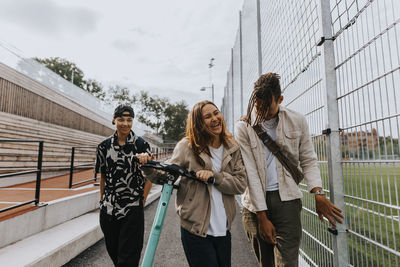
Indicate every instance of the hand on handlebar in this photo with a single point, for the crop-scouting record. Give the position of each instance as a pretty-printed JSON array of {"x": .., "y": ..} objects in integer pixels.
[
  {"x": 204, "y": 175},
  {"x": 143, "y": 157}
]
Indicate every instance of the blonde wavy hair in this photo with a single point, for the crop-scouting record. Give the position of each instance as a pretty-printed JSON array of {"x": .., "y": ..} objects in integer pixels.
[{"x": 198, "y": 134}]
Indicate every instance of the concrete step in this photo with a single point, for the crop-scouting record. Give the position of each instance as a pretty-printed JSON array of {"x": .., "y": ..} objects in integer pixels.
[
  {"x": 41, "y": 219},
  {"x": 55, "y": 246},
  {"x": 59, "y": 244}
]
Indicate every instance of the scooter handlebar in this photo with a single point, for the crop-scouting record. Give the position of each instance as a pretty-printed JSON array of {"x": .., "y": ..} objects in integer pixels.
[
  {"x": 193, "y": 176},
  {"x": 174, "y": 170},
  {"x": 135, "y": 159}
]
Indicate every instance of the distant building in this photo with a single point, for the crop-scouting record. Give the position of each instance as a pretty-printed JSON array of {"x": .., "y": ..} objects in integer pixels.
[{"x": 361, "y": 140}]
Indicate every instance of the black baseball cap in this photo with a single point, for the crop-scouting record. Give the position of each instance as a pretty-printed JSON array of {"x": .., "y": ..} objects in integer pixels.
[{"x": 118, "y": 112}]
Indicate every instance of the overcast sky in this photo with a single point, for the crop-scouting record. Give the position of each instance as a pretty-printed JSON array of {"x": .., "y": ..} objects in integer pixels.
[{"x": 160, "y": 46}]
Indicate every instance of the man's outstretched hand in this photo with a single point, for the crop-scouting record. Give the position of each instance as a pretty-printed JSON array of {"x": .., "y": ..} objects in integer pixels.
[{"x": 325, "y": 207}]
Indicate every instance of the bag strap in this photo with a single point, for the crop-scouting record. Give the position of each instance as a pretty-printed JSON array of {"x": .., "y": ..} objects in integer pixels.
[{"x": 288, "y": 164}]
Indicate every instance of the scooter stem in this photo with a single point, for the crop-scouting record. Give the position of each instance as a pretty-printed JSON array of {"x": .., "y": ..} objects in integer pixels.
[{"x": 157, "y": 225}]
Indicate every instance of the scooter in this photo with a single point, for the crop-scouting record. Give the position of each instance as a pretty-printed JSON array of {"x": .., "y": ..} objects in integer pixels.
[{"x": 173, "y": 172}]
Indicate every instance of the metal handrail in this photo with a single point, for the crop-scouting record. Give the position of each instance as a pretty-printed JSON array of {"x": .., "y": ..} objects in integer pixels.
[
  {"x": 38, "y": 172},
  {"x": 72, "y": 167}
]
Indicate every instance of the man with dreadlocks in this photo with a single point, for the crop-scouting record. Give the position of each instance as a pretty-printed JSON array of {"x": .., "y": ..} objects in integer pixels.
[{"x": 272, "y": 200}]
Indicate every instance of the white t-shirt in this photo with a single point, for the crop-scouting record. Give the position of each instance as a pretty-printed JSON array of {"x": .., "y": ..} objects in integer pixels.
[
  {"x": 272, "y": 175},
  {"x": 218, "y": 221}
]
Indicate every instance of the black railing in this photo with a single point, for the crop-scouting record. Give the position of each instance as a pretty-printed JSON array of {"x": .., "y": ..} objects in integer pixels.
[
  {"x": 163, "y": 152},
  {"x": 160, "y": 153},
  {"x": 84, "y": 165},
  {"x": 38, "y": 172}
]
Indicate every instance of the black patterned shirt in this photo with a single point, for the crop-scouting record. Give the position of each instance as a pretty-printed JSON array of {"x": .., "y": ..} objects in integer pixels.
[{"x": 124, "y": 181}]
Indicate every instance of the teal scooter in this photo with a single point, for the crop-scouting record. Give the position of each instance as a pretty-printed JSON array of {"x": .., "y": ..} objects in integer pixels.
[{"x": 172, "y": 173}]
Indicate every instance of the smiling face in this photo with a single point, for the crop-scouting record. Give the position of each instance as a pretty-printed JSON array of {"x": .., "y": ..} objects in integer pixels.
[
  {"x": 124, "y": 123},
  {"x": 212, "y": 119}
]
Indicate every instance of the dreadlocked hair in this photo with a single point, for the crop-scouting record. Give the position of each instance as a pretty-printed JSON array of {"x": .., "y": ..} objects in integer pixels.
[
  {"x": 266, "y": 88},
  {"x": 198, "y": 134}
]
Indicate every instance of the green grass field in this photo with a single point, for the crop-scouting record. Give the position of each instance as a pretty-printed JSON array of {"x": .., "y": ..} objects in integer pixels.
[{"x": 376, "y": 219}]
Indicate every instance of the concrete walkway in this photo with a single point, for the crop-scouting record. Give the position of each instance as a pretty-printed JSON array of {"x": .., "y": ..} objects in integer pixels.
[{"x": 169, "y": 251}]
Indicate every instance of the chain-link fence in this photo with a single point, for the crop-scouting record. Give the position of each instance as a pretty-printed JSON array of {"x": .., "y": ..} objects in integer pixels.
[{"x": 339, "y": 62}]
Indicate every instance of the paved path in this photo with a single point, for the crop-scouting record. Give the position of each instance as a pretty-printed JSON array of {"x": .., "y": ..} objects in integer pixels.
[{"x": 169, "y": 251}]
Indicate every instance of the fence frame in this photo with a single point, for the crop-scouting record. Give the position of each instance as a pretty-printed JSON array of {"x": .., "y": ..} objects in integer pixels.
[
  {"x": 72, "y": 166},
  {"x": 338, "y": 58},
  {"x": 38, "y": 172}
]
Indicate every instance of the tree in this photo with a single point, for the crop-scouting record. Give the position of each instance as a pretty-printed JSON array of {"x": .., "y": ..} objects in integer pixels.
[
  {"x": 95, "y": 88},
  {"x": 175, "y": 122},
  {"x": 118, "y": 94},
  {"x": 155, "y": 112},
  {"x": 69, "y": 71},
  {"x": 65, "y": 69},
  {"x": 152, "y": 110}
]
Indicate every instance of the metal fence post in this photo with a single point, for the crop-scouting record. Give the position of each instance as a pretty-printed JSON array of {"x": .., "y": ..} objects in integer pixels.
[
  {"x": 228, "y": 99},
  {"x": 336, "y": 179},
  {"x": 71, "y": 169},
  {"x": 233, "y": 96},
  {"x": 259, "y": 51},
  {"x": 241, "y": 63},
  {"x": 39, "y": 172}
]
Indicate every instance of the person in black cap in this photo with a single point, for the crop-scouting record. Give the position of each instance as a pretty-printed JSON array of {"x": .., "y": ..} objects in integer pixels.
[{"x": 123, "y": 189}]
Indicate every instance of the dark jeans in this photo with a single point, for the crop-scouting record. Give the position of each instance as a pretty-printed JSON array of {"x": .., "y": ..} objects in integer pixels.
[
  {"x": 124, "y": 237},
  {"x": 207, "y": 251},
  {"x": 285, "y": 216}
]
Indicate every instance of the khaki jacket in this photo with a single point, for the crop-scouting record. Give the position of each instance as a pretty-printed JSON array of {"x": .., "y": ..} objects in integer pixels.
[
  {"x": 193, "y": 198},
  {"x": 293, "y": 138}
]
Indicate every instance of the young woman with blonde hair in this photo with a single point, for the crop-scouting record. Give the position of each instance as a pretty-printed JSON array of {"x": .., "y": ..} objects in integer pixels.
[{"x": 207, "y": 210}]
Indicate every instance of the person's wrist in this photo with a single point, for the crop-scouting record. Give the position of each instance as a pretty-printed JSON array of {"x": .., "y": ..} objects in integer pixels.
[
  {"x": 319, "y": 198},
  {"x": 261, "y": 216},
  {"x": 315, "y": 189},
  {"x": 319, "y": 192}
]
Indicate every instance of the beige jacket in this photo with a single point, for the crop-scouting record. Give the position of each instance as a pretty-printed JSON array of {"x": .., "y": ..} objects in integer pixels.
[
  {"x": 293, "y": 137},
  {"x": 193, "y": 197}
]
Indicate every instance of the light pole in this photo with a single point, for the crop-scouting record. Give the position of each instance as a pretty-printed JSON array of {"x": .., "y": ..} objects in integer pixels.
[
  {"x": 212, "y": 90},
  {"x": 210, "y": 65}
]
